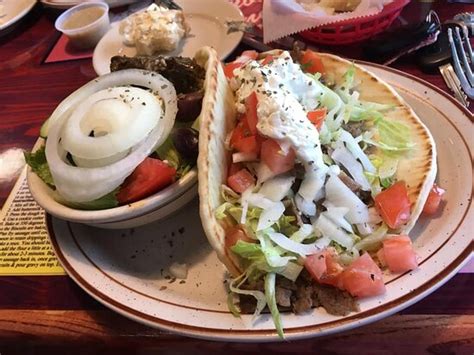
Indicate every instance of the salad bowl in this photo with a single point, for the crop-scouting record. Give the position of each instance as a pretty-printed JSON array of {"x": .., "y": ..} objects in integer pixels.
[{"x": 155, "y": 207}]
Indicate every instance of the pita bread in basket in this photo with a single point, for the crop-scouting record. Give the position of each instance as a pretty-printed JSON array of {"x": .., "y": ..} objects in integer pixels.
[{"x": 417, "y": 169}]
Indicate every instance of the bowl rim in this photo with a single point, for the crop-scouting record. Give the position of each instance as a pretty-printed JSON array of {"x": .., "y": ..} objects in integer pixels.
[
  {"x": 43, "y": 195},
  {"x": 58, "y": 24}
]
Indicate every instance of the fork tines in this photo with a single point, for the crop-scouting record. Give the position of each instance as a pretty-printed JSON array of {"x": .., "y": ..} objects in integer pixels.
[{"x": 463, "y": 62}]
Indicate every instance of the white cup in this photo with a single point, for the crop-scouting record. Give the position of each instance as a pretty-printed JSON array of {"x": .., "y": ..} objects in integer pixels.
[{"x": 83, "y": 30}]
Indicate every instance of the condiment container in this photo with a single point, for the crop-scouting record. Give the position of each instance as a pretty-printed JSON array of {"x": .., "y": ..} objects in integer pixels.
[{"x": 85, "y": 24}]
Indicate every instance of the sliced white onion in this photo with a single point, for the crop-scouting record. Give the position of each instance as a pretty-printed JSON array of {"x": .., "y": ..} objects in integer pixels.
[
  {"x": 308, "y": 208},
  {"x": 364, "y": 228},
  {"x": 272, "y": 255},
  {"x": 96, "y": 163},
  {"x": 123, "y": 115},
  {"x": 290, "y": 245},
  {"x": 330, "y": 230},
  {"x": 304, "y": 232},
  {"x": 336, "y": 214},
  {"x": 322, "y": 242},
  {"x": 79, "y": 184},
  {"x": 245, "y": 204},
  {"x": 270, "y": 215},
  {"x": 312, "y": 183},
  {"x": 344, "y": 157},
  {"x": 278, "y": 187},
  {"x": 340, "y": 195},
  {"x": 242, "y": 157},
  {"x": 258, "y": 200},
  {"x": 264, "y": 172},
  {"x": 357, "y": 151}
]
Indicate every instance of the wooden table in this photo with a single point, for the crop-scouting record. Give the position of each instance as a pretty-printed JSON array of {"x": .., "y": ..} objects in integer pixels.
[{"x": 51, "y": 313}]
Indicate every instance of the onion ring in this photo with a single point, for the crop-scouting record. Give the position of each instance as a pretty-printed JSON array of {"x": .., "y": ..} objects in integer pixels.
[{"x": 81, "y": 184}]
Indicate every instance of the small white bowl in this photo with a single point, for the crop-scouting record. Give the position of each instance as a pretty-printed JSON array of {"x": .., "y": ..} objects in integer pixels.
[
  {"x": 155, "y": 207},
  {"x": 88, "y": 28}
]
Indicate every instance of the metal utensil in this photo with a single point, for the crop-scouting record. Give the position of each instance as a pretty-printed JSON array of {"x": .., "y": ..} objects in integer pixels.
[
  {"x": 468, "y": 19},
  {"x": 463, "y": 63},
  {"x": 453, "y": 83}
]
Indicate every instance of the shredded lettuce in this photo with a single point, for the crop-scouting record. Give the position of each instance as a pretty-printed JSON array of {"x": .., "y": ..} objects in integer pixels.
[
  {"x": 168, "y": 152},
  {"x": 291, "y": 271},
  {"x": 373, "y": 241},
  {"x": 305, "y": 232},
  {"x": 221, "y": 211},
  {"x": 267, "y": 257},
  {"x": 102, "y": 203},
  {"x": 286, "y": 225},
  {"x": 229, "y": 195},
  {"x": 273, "y": 254},
  {"x": 394, "y": 138},
  {"x": 231, "y": 305},
  {"x": 251, "y": 251},
  {"x": 39, "y": 165},
  {"x": 270, "y": 280},
  {"x": 235, "y": 285}
]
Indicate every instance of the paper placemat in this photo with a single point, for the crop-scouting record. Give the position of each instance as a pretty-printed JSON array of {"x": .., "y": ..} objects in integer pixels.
[
  {"x": 64, "y": 51},
  {"x": 25, "y": 249}
]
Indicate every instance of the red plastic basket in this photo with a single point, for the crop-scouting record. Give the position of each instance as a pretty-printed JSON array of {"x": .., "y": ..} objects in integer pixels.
[{"x": 355, "y": 30}]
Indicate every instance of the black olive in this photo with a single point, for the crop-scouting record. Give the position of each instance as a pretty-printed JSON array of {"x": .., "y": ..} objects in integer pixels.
[
  {"x": 189, "y": 106},
  {"x": 186, "y": 142}
]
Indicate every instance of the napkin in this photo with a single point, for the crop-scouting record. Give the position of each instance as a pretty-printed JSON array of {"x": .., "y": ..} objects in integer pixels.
[{"x": 285, "y": 17}]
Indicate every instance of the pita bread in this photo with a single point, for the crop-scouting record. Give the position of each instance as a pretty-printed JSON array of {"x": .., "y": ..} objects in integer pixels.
[{"x": 418, "y": 169}]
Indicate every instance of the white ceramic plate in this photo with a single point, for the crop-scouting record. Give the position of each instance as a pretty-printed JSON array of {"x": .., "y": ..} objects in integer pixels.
[
  {"x": 66, "y": 4},
  {"x": 207, "y": 21},
  {"x": 126, "y": 270},
  {"x": 14, "y": 10}
]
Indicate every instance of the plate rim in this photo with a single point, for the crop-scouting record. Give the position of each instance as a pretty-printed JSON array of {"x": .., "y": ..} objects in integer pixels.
[
  {"x": 294, "y": 333},
  {"x": 114, "y": 25},
  {"x": 19, "y": 15},
  {"x": 263, "y": 335}
]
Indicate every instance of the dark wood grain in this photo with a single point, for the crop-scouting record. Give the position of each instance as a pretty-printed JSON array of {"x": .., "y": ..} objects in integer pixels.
[
  {"x": 81, "y": 332},
  {"x": 50, "y": 314}
]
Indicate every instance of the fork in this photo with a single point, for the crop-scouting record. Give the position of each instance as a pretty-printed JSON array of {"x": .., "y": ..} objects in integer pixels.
[{"x": 463, "y": 70}]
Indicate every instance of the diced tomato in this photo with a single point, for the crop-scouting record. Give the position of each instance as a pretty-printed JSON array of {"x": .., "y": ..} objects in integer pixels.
[
  {"x": 240, "y": 131},
  {"x": 233, "y": 168},
  {"x": 433, "y": 200},
  {"x": 272, "y": 155},
  {"x": 247, "y": 55},
  {"x": 240, "y": 181},
  {"x": 312, "y": 62},
  {"x": 324, "y": 268},
  {"x": 249, "y": 144},
  {"x": 317, "y": 117},
  {"x": 243, "y": 141},
  {"x": 240, "y": 61},
  {"x": 398, "y": 254},
  {"x": 363, "y": 278},
  {"x": 230, "y": 67},
  {"x": 381, "y": 257},
  {"x": 251, "y": 103},
  {"x": 234, "y": 234},
  {"x": 268, "y": 59},
  {"x": 150, "y": 176},
  {"x": 393, "y": 205}
]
